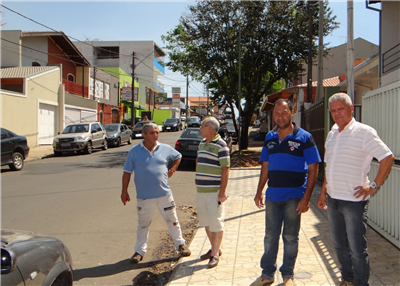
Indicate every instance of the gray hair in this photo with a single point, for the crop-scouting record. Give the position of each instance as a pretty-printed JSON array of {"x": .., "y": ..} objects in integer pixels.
[
  {"x": 213, "y": 122},
  {"x": 340, "y": 96},
  {"x": 149, "y": 125}
]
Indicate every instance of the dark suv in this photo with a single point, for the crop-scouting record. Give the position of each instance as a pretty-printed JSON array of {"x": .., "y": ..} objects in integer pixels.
[
  {"x": 172, "y": 124},
  {"x": 194, "y": 122}
]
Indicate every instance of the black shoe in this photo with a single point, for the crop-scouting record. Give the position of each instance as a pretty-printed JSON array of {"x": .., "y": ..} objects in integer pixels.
[
  {"x": 208, "y": 255},
  {"x": 136, "y": 258},
  {"x": 213, "y": 262}
]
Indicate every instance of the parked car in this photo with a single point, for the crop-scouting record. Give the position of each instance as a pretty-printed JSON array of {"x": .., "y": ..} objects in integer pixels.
[
  {"x": 137, "y": 129},
  {"x": 183, "y": 118},
  {"x": 117, "y": 134},
  {"x": 188, "y": 144},
  {"x": 81, "y": 137},
  {"x": 129, "y": 121},
  {"x": 228, "y": 123},
  {"x": 226, "y": 136},
  {"x": 194, "y": 121},
  {"x": 172, "y": 124},
  {"x": 14, "y": 149},
  {"x": 29, "y": 258}
]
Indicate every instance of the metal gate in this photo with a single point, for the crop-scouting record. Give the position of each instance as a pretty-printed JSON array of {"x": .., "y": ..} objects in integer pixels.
[{"x": 313, "y": 121}]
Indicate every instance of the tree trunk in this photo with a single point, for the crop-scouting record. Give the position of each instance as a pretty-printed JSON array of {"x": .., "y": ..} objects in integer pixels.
[{"x": 244, "y": 136}]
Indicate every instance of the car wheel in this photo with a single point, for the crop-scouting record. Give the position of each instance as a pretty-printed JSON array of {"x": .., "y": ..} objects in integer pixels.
[
  {"x": 105, "y": 144},
  {"x": 119, "y": 142},
  {"x": 89, "y": 148},
  {"x": 57, "y": 153},
  {"x": 18, "y": 162},
  {"x": 129, "y": 140}
]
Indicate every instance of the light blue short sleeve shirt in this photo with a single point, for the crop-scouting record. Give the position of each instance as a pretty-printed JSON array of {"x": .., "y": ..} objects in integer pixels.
[{"x": 151, "y": 169}]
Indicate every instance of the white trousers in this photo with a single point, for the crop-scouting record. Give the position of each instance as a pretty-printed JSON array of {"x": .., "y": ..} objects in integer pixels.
[{"x": 167, "y": 209}]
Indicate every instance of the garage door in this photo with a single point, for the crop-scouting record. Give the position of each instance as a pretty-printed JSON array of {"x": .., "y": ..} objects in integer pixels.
[{"x": 46, "y": 123}]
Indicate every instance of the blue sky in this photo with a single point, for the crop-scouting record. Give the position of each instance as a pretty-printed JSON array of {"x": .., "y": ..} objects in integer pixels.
[{"x": 148, "y": 20}]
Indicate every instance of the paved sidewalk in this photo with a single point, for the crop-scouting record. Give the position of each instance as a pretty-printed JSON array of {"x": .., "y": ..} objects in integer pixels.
[
  {"x": 40, "y": 152},
  {"x": 242, "y": 246}
]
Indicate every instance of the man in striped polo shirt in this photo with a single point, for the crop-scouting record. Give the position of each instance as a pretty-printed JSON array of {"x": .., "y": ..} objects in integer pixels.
[
  {"x": 212, "y": 173},
  {"x": 350, "y": 147},
  {"x": 290, "y": 164}
]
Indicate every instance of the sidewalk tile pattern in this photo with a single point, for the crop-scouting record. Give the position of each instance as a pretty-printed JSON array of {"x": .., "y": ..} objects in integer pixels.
[{"x": 242, "y": 246}]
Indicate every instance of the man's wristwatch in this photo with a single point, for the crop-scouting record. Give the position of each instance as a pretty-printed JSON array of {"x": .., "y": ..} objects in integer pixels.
[{"x": 375, "y": 186}]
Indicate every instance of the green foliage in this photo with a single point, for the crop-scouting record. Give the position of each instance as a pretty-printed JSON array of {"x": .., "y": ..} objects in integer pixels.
[{"x": 270, "y": 37}]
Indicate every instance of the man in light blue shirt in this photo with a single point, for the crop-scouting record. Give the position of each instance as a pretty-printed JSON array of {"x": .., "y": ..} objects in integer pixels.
[{"x": 149, "y": 160}]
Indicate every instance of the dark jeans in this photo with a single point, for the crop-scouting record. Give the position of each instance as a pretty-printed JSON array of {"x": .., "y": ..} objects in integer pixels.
[
  {"x": 348, "y": 222},
  {"x": 277, "y": 213}
]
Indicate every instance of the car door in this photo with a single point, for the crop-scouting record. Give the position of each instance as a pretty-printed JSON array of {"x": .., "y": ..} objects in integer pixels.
[
  {"x": 95, "y": 135},
  {"x": 124, "y": 133},
  {"x": 7, "y": 146}
]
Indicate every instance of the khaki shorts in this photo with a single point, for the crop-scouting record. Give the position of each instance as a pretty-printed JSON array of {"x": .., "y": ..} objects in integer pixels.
[{"x": 210, "y": 213}]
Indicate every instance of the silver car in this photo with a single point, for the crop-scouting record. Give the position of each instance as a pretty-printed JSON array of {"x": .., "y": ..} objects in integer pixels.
[
  {"x": 80, "y": 137},
  {"x": 117, "y": 134},
  {"x": 29, "y": 258}
]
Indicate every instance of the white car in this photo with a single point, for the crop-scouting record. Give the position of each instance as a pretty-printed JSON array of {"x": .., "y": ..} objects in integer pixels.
[{"x": 81, "y": 137}]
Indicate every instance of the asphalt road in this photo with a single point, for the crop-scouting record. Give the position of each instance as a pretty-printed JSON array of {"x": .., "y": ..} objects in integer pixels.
[{"x": 76, "y": 198}]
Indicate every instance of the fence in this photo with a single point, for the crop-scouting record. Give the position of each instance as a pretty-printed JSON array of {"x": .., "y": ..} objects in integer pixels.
[{"x": 381, "y": 110}]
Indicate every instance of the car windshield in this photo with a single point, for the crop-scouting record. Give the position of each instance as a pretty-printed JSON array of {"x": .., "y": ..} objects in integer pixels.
[
  {"x": 139, "y": 125},
  {"x": 193, "y": 119},
  {"x": 112, "y": 128},
  {"x": 171, "y": 120},
  {"x": 76, "y": 128},
  {"x": 192, "y": 133}
]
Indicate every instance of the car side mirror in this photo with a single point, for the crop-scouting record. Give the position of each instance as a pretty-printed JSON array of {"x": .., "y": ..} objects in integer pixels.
[
  {"x": 8, "y": 261},
  {"x": 93, "y": 131}
]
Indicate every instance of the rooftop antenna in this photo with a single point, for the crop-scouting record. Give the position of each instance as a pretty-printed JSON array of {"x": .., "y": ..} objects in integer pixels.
[{"x": 1, "y": 24}]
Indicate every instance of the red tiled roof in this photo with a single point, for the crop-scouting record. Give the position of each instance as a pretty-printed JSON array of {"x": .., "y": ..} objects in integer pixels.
[{"x": 333, "y": 81}]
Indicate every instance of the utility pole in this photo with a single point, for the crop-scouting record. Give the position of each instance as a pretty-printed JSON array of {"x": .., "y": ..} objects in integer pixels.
[
  {"x": 240, "y": 90},
  {"x": 320, "y": 88},
  {"x": 133, "y": 92},
  {"x": 310, "y": 46},
  {"x": 187, "y": 99},
  {"x": 350, "y": 51}
]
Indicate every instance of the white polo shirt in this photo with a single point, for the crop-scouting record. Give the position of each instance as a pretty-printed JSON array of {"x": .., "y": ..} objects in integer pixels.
[{"x": 348, "y": 155}]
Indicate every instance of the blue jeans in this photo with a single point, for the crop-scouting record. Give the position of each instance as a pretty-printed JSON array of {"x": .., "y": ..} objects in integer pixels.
[
  {"x": 348, "y": 222},
  {"x": 277, "y": 213}
]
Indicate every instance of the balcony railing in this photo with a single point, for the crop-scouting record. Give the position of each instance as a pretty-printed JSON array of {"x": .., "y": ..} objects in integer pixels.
[
  {"x": 75, "y": 88},
  {"x": 391, "y": 59}
]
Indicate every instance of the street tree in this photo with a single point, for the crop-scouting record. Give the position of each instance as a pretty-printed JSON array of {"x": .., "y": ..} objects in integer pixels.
[{"x": 269, "y": 37}]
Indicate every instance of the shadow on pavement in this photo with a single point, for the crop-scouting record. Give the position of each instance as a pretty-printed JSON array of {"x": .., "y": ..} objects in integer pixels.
[
  {"x": 118, "y": 267},
  {"x": 106, "y": 160}
]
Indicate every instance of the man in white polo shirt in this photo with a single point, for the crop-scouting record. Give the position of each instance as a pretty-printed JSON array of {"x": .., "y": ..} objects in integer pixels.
[{"x": 349, "y": 149}]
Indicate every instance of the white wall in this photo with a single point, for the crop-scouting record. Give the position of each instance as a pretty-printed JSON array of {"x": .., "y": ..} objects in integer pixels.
[
  {"x": 29, "y": 55},
  {"x": 10, "y": 53}
]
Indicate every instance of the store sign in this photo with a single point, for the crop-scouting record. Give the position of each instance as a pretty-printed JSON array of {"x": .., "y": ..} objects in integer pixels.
[
  {"x": 176, "y": 92},
  {"x": 126, "y": 93},
  {"x": 161, "y": 98}
]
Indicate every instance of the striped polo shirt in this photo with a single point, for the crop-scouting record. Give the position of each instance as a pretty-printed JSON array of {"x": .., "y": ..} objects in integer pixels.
[
  {"x": 211, "y": 158},
  {"x": 348, "y": 155},
  {"x": 288, "y": 162}
]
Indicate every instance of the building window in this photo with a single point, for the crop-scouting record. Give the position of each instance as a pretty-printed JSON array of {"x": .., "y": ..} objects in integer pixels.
[
  {"x": 108, "y": 53},
  {"x": 36, "y": 64},
  {"x": 71, "y": 77}
]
